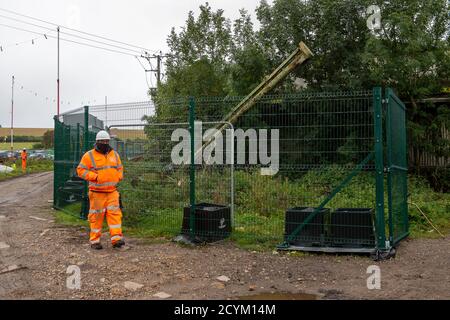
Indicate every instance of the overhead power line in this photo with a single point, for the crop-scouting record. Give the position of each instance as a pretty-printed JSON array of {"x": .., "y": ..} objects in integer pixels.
[
  {"x": 71, "y": 34},
  {"x": 89, "y": 40},
  {"x": 149, "y": 85},
  {"x": 67, "y": 40},
  {"x": 18, "y": 20},
  {"x": 100, "y": 42},
  {"x": 79, "y": 31}
]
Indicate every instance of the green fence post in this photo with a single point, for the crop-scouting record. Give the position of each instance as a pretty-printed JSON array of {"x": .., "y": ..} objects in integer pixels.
[
  {"x": 56, "y": 158},
  {"x": 85, "y": 203},
  {"x": 78, "y": 149},
  {"x": 379, "y": 168},
  {"x": 389, "y": 119},
  {"x": 192, "y": 167}
]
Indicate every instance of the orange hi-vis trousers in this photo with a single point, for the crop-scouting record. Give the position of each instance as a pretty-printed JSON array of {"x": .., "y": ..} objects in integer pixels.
[
  {"x": 24, "y": 156},
  {"x": 102, "y": 203}
]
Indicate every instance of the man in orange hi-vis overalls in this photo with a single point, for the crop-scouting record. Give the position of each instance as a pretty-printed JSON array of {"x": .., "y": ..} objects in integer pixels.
[
  {"x": 103, "y": 169},
  {"x": 24, "y": 156}
]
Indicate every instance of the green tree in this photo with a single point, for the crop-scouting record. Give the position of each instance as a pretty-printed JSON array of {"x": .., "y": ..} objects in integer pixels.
[
  {"x": 207, "y": 36},
  {"x": 248, "y": 62},
  {"x": 411, "y": 53},
  {"x": 48, "y": 139},
  {"x": 211, "y": 56},
  {"x": 203, "y": 45},
  {"x": 197, "y": 64},
  {"x": 335, "y": 31}
]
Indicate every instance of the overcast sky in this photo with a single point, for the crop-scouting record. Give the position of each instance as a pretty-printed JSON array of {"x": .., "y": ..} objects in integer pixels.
[{"x": 87, "y": 74}]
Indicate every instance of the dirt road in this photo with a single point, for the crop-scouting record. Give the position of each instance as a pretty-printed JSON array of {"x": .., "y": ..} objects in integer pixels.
[{"x": 37, "y": 253}]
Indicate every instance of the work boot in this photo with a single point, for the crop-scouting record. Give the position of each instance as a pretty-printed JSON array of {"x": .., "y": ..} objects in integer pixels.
[
  {"x": 119, "y": 244},
  {"x": 97, "y": 246}
]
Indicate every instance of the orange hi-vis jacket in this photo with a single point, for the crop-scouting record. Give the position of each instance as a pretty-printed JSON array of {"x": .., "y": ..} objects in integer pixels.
[
  {"x": 23, "y": 155},
  {"x": 103, "y": 171}
]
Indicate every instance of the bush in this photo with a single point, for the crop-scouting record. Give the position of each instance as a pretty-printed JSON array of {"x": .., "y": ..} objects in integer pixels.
[
  {"x": 38, "y": 146},
  {"x": 23, "y": 139}
]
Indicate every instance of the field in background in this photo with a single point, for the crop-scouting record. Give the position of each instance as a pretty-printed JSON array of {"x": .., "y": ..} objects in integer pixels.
[
  {"x": 6, "y": 146},
  {"x": 33, "y": 132},
  {"x": 127, "y": 133}
]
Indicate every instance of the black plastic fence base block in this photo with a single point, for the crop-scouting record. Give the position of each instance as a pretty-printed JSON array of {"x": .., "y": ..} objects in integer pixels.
[
  {"x": 212, "y": 222},
  {"x": 382, "y": 255}
]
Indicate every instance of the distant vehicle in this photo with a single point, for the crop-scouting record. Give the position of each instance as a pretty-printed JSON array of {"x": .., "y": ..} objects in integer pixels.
[
  {"x": 8, "y": 156},
  {"x": 37, "y": 155},
  {"x": 40, "y": 155},
  {"x": 3, "y": 155},
  {"x": 13, "y": 155}
]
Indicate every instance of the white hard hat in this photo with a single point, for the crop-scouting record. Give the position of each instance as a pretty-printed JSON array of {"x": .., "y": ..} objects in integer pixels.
[{"x": 103, "y": 135}]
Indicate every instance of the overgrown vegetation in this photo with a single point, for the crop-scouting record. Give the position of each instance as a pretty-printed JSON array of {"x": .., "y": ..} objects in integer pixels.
[{"x": 157, "y": 210}]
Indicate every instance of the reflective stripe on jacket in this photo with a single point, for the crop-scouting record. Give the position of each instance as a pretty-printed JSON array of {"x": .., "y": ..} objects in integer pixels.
[{"x": 102, "y": 171}]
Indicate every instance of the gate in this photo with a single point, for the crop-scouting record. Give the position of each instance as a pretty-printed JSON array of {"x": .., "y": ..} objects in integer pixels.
[{"x": 397, "y": 167}]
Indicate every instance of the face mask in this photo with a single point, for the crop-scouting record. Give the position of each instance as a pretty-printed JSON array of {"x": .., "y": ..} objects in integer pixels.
[{"x": 102, "y": 148}]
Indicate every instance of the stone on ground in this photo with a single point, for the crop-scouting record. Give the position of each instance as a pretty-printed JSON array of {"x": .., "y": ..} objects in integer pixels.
[
  {"x": 162, "y": 295},
  {"x": 4, "y": 245},
  {"x": 223, "y": 279},
  {"x": 132, "y": 286}
]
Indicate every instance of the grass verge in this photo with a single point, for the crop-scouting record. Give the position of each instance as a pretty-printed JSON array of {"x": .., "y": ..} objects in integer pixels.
[
  {"x": 33, "y": 166},
  {"x": 259, "y": 218}
]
